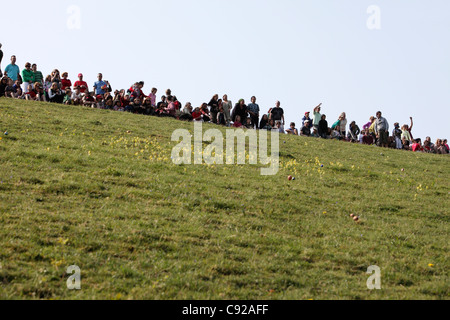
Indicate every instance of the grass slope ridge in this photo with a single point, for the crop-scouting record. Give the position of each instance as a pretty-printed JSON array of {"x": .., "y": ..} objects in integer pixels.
[{"x": 97, "y": 189}]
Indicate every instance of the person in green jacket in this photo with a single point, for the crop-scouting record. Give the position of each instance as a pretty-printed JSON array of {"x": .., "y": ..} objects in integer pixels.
[{"x": 27, "y": 77}]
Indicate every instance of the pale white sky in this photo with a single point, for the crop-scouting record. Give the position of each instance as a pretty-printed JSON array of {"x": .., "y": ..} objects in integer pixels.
[{"x": 301, "y": 52}]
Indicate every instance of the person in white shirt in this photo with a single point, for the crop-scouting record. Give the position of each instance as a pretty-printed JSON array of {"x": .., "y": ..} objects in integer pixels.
[{"x": 77, "y": 96}]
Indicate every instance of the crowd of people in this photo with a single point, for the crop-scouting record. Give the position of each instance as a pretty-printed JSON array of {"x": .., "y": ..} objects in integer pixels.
[{"x": 58, "y": 88}]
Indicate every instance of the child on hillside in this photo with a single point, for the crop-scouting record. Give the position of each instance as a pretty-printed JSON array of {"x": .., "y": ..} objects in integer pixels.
[
  {"x": 237, "y": 123},
  {"x": 30, "y": 94},
  {"x": 68, "y": 97}
]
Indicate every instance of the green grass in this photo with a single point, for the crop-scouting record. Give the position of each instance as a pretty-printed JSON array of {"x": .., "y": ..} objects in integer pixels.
[{"x": 98, "y": 189}]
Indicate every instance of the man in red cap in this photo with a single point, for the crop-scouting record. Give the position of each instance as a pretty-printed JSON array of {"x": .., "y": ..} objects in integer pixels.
[
  {"x": 81, "y": 84},
  {"x": 306, "y": 118}
]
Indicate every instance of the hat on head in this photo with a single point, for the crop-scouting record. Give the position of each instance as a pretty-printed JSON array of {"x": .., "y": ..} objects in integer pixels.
[
  {"x": 307, "y": 113},
  {"x": 80, "y": 75}
]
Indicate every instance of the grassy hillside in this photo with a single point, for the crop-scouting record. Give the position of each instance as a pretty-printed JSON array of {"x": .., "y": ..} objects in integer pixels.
[{"x": 97, "y": 189}]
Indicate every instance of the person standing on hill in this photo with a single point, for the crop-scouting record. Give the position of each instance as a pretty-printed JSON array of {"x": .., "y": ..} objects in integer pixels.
[
  {"x": 382, "y": 130},
  {"x": 81, "y": 84},
  {"x": 214, "y": 108},
  {"x": 397, "y": 134},
  {"x": 317, "y": 117},
  {"x": 277, "y": 113},
  {"x": 306, "y": 118},
  {"x": 12, "y": 70},
  {"x": 100, "y": 86},
  {"x": 227, "y": 108},
  {"x": 38, "y": 76},
  {"x": 253, "y": 109},
  {"x": 323, "y": 127},
  {"x": 343, "y": 124},
  {"x": 28, "y": 77},
  {"x": 65, "y": 83},
  {"x": 1, "y": 58}
]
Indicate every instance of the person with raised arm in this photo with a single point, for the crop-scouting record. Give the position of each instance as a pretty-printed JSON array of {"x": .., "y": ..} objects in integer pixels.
[{"x": 317, "y": 116}]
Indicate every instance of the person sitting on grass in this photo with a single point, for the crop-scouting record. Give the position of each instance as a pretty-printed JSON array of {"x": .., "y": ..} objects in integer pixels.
[
  {"x": 438, "y": 148},
  {"x": 30, "y": 94},
  {"x": 186, "y": 113},
  {"x": 118, "y": 106},
  {"x": 264, "y": 121},
  {"x": 55, "y": 94},
  {"x": 162, "y": 104},
  {"x": 428, "y": 147},
  {"x": 147, "y": 105},
  {"x": 205, "y": 112},
  {"x": 197, "y": 115},
  {"x": 431, "y": 144},
  {"x": 306, "y": 130},
  {"x": 336, "y": 133},
  {"x": 292, "y": 129},
  {"x": 237, "y": 122},
  {"x": 171, "y": 110},
  {"x": 446, "y": 145},
  {"x": 314, "y": 133},
  {"x": 279, "y": 127},
  {"x": 68, "y": 97},
  {"x": 109, "y": 101},
  {"x": 100, "y": 102},
  {"x": 353, "y": 132},
  {"x": 270, "y": 125},
  {"x": 248, "y": 123},
  {"x": 137, "y": 106},
  {"x": 417, "y": 146},
  {"x": 3, "y": 85},
  {"x": 9, "y": 89},
  {"x": 88, "y": 100},
  {"x": 47, "y": 83},
  {"x": 40, "y": 93},
  {"x": 368, "y": 138},
  {"x": 77, "y": 96}
]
